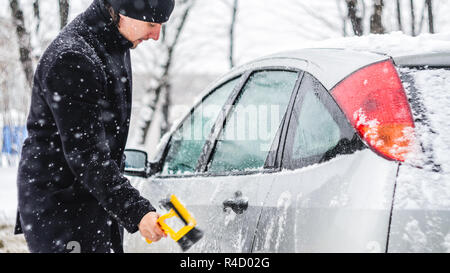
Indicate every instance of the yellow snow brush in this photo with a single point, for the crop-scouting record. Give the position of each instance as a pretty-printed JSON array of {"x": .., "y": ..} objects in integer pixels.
[{"x": 188, "y": 235}]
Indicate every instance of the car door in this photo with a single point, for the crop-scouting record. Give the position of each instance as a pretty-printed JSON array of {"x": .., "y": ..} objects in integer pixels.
[
  {"x": 220, "y": 176},
  {"x": 178, "y": 167},
  {"x": 335, "y": 194},
  {"x": 238, "y": 159}
]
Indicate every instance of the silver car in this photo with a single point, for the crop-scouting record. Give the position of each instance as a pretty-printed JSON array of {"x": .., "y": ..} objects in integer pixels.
[{"x": 315, "y": 150}]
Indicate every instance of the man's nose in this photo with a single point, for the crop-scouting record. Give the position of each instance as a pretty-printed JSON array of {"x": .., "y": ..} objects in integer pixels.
[{"x": 155, "y": 34}]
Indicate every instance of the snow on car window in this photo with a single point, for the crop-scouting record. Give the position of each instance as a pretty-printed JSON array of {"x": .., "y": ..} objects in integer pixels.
[
  {"x": 317, "y": 132},
  {"x": 187, "y": 142},
  {"x": 428, "y": 92},
  {"x": 422, "y": 199},
  {"x": 249, "y": 131}
]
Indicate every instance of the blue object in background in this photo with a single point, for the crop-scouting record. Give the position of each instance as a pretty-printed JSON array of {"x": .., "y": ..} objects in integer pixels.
[{"x": 13, "y": 137}]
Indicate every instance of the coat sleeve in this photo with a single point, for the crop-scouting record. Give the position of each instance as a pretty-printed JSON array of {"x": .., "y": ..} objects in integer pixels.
[{"x": 74, "y": 91}]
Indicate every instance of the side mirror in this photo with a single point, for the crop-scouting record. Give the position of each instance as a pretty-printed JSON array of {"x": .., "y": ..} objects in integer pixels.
[{"x": 136, "y": 164}]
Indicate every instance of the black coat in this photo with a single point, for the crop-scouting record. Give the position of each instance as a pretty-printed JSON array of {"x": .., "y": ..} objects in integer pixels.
[{"x": 70, "y": 182}]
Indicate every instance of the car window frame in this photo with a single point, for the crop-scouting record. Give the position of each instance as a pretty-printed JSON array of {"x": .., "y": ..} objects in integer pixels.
[
  {"x": 270, "y": 166},
  {"x": 284, "y": 155},
  {"x": 166, "y": 148}
]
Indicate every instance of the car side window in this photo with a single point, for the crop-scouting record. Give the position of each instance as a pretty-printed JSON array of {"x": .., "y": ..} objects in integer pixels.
[
  {"x": 187, "y": 142},
  {"x": 253, "y": 122},
  {"x": 318, "y": 130}
]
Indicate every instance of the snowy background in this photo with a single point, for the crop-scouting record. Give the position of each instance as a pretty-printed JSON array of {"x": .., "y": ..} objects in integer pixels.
[{"x": 202, "y": 54}]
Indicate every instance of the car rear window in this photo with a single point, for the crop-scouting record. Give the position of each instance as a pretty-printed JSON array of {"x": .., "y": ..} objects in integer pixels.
[
  {"x": 428, "y": 92},
  {"x": 420, "y": 220}
]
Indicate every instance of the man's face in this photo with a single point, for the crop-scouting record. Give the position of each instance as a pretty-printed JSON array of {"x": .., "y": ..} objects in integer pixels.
[{"x": 137, "y": 31}]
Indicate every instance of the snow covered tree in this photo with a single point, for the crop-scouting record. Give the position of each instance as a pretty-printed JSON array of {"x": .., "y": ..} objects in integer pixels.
[
  {"x": 413, "y": 18},
  {"x": 429, "y": 5},
  {"x": 355, "y": 17},
  {"x": 13, "y": 103},
  {"x": 399, "y": 15},
  {"x": 23, "y": 37},
  {"x": 64, "y": 6},
  {"x": 233, "y": 5},
  {"x": 376, "y": 24}
]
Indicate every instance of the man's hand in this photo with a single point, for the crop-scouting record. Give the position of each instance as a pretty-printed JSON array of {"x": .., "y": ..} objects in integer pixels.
[{"x": 150, "y": 229}]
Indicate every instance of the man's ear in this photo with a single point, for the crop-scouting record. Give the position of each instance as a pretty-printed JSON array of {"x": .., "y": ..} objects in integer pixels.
[{"x": 115, "y": 16}]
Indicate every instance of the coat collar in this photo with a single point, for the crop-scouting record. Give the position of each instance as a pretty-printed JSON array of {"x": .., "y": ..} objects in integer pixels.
[{"x": 100, "y": 23}]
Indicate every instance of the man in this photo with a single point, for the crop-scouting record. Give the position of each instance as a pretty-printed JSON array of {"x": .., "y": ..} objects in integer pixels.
[{"x": 72, "y": 193}]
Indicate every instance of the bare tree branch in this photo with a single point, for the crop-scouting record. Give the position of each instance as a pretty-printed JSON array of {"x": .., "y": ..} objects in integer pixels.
[
  {"x": 163, "y": 80},
  {"x": 165, "y": 107},
  {"x": 227, "y": 3},
  {"x": 422, "y": 18},
  {"x": 37, "y": 14},
  {"x": 376, "y": 24},
  {"x": 63, "y": 12},
  {"x": 343, "y": 18},
  {"x": 399, "y": 16},
  {"x": 413, "y": 19},
  {"x": 430, "y": 16},
  {"x": 354, "y": 19},
  {"x": 24, "y": 40},
  {"x": 232, "y": 28},
  {"x": 318, "y": 16}
]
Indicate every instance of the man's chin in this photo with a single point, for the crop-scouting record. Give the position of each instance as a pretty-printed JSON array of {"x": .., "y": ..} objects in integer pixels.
[{"x": 136, "y": 43}]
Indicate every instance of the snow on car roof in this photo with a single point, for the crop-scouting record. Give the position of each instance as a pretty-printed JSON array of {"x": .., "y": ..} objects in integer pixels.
[
  {"x": 394, "y": 44},
  {"x": 425, "y": 49},
  {"x": 440, "y": 59},
  {"x": 328, "y": 65},
  {"x": 333, "y": 59}
]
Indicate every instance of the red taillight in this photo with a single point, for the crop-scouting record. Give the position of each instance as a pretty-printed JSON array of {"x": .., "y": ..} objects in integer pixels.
[{"x": 375, "y": 102}]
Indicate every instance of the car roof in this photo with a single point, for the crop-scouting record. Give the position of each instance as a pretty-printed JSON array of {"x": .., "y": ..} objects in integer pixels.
[
  {"x": 328, "y": 65},
  {"x": 435, "y": 59},
  {"x": 332, "y": 65}
]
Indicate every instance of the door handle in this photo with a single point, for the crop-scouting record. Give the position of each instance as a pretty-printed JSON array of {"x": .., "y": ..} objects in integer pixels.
[{"x": 238, "y": 204}]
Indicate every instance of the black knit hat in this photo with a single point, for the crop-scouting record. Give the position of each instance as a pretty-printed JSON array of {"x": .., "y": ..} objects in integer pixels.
[{"x": 155, "y": 11}]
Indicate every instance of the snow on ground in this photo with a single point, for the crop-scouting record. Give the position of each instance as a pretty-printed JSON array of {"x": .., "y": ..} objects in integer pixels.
[
  {"x": 11, "y": 243},
  {"x": 8, "y": 206},
  {"x": 8, "y": 195}
]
